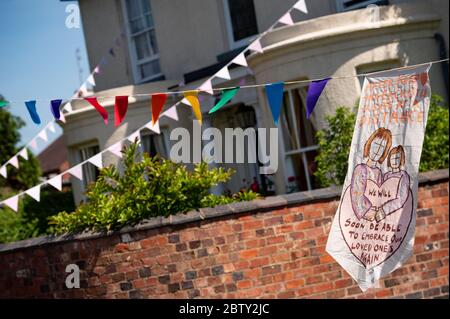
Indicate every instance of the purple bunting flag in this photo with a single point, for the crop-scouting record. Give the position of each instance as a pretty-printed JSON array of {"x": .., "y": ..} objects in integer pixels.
[{"x": 314, "y": 91}]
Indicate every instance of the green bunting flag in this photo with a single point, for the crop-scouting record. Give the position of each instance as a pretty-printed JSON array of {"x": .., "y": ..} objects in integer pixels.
[
  {"x": 227, "y": 95},
  {"x": 3, "y": 103}
]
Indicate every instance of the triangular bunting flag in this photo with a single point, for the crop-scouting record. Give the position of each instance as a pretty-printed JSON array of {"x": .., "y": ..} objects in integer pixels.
[
  {"x": 227, "y": 95},
  {"x": 43, "y": 135},
  {"x": 286, "y": 19},
  {"x": 77, "y": 172},
  {"x": 3, "y": 103},
  {"x": 192, "y": 97},
  {"x": 158, "y": 101},
  {"x": 31, "y": 106},
  {"x": 314, "y": 91},
  {"x": 223, "y": 73},
  {"x": 62, "y": 118},
  {"x": 33, "y": 144},
  {"x": 171, "y": 113},
  {"x": 154, "y": 127},
  {"x": 116, "y": 149},
  {"x": 133, "y": 136},
  {"x": 240, "y": 59},
  {"x": 35, "y": 192},
  {"x": 54, "y": 107},
  {"x": 206, "y": 87},
  {"x": 91, "y": 79},
  {"x": 51, "y": 127},
  {"x": 256, "y": 46},
  {"x": 56, "y": 182},
  {"x": 3, "y": 171},
  {"x": 24, "y": 153},
  {"x": 68, "y": 107},
  {"x": 111, "y": 51},
  {"x": 82, "y": 91},
  {"x": 97, "y": 69},
  {"x": 12, "y": 202},
  {"x": 274, "y": 93},
  {"x": 301, "y": 5},
  {"x": 100, "y": 109},
  {"x": 120, "y": 109},
  {"x": 97, "y": 160},
  {"x": 14, "y": 162}
]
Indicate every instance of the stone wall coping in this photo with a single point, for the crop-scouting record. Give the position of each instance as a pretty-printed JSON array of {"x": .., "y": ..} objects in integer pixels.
[{"x": 258, "y": 205}]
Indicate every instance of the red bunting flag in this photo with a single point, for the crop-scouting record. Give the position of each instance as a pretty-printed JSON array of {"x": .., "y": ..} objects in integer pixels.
[
  {"x": 120, "y": 109},
  {"x": 158, "y": 101},
  {"x": 100, "y": 109}
]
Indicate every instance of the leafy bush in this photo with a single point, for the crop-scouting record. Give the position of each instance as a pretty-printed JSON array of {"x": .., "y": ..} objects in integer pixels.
[
  {"x": 147, "y": 188},
  {"x": 335, "y": 141}
]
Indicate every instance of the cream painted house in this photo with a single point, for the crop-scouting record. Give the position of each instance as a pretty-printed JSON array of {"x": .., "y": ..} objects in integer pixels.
[{"x": 169, "y": 42}]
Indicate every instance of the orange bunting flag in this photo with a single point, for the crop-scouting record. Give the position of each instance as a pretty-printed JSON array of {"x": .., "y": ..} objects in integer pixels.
[
  {"x": 192, "y": 97},
  {"x": 158, "y": 101}
]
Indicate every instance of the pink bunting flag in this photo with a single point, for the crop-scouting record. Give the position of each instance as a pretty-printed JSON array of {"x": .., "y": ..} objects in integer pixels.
[
  {"x": 56, "y": 182},
  {"x": 153, "y": 127},
  {"x": 33, "y": 144},
  {"x": 24, "y": 153},
  {"x": 77, "y": 172},
  {"x": 286, "y": 19},
  {"x": 62, "y": 118},
  {"x": 12, "y": 202},
  {"x": 14, "y": 162},
  {"x": 240, "y": 59},
  {"x": 43, "y": 135},
  {"x": 301, "y": 5},
  {"x": 133, "y": 136},
  {"x": 171, "y": 113},
  {"x": 116, "y": 149},
  {"x": 3, "y": 171},
  {"x": 97, "y": 160},
  {"x": 256, "y": 46},
  {"x": 206, "y": 87},
  {"x": 223, "y": 73},
  {"x": 35, "y": 192}
]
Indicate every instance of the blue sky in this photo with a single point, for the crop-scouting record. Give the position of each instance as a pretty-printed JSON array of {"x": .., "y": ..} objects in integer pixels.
[{"x": 37, "y": 58}]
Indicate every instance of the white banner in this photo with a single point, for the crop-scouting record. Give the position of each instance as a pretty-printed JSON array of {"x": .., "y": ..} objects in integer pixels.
[{"x": 373, "y": 230}]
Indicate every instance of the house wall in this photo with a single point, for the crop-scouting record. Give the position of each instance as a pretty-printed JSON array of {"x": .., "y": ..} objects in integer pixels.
[{"x": 271, "y": 248}]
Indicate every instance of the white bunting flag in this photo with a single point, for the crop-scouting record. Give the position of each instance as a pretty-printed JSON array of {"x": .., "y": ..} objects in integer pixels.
[
  {"x": 185, "y": 102},
  {"x": 286, "y": 19},
  {"x": 256, "y": 46},
  {"x": 97, "y": 69},
  {"x": 35, "y": 192},
  {"x": 301, "y": 5},
  {"x": 116, "y": 149},
  {"x": 56, "y": 182},
  {"x": 240, "y": 59},
  {"x": 43, "y": 135},
  {"x": 83, "y": 89},
  {"x": 24, "y": 153},
  {"x": 68, "y": 108},
  {"x": 97, "y": 160},
  {"x": 12, "y": 202},
  {"x": 133, "y": 136},
  {"x": 51, "y": 127},
  {"x": 171, "y": 113},
  {"x": 223, "y": 73},
  {"x": 3, "y": 171},
  {"x": 14, "y": 162},
  {"x": 154, "y": 128},
  {"x": 62, "y": 118},
  {"x": 206, "y": 87},
  {"x": 91, "y": 79},
  {"x": 77, "y": 172},
  {"x": 33, "y": 144}
]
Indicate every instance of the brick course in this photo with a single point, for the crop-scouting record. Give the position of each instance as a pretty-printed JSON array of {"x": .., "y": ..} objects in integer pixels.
[{"x": 276, "y": 252}]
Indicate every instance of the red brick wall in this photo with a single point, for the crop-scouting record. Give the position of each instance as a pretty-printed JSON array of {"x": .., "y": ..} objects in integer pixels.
[{"x": 267, "y": 254}]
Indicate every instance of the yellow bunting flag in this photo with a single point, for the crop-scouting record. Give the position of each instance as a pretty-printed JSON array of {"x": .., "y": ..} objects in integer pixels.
[{"x": 192, "y": 97}]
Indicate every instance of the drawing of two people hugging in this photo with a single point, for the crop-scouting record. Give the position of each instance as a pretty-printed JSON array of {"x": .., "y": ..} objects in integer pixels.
[{"x": 375, "y": 195}]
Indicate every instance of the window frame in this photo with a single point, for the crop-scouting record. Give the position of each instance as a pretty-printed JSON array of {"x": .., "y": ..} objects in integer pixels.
[
  {"x": 340, "y": 5},
  {"x": 301, "y": 150},
  {"x": 78, "y": 149},
  {"x": 146, "y": 132},
  {"x": 135, "y": 63},
  {"x": 229, "y": 26}
]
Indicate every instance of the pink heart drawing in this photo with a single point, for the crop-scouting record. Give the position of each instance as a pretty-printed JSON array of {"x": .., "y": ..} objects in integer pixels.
[{"x": 374, "y": 242}]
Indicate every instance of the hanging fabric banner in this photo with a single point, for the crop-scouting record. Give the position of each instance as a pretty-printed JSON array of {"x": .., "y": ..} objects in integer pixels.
[
  {"x": 373, "y": 230},
  {"x": 274, "y": 93},
  {"x": 314, "y": 91},
  {"x": 31, "y": 106},
  {"x": 120, "y": 109},
  {"x": 192, "y": 97},
  {"x": 54, "y": 107},
  {"x": 158, "y": 101},
  {"x": 100, "y": 109},
  {"x": 227, "y": 95}
]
